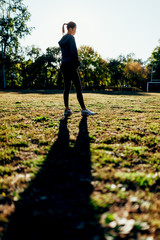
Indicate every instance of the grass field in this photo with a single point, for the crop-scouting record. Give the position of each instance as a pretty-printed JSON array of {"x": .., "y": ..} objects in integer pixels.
[{"x": 115, "y": 154}]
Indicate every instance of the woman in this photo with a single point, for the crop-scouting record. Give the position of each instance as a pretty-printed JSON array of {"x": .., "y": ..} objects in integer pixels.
[{"x": 69, "y": 68}]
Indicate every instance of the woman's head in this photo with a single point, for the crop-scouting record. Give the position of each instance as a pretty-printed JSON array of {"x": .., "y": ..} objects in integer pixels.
[{"x": 71, "y": 27}]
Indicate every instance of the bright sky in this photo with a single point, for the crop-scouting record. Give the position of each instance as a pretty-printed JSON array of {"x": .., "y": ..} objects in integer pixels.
[{"x": 111, "y": 27}]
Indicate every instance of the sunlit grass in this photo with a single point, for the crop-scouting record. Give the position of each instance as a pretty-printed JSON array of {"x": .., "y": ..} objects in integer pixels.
[{"x": 125, "y": 144}]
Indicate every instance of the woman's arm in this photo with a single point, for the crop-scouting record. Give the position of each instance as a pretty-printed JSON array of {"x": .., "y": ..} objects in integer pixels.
[{"x": 74, "y": 52}]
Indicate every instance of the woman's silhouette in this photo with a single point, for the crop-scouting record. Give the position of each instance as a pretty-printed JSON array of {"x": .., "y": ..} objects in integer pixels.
[{"x": 69, "y": 68}]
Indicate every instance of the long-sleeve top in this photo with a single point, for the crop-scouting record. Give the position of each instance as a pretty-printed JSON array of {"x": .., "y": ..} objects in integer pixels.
[{"x": 69, "y": 50}]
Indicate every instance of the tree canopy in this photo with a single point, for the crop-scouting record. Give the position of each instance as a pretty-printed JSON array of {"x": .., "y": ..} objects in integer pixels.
[
  {"x": 13, "y": 24},
  {"x": 155, "y": 62}
]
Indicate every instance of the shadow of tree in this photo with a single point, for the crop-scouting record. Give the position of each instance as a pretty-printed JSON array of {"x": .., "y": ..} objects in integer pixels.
[{"x": 57, "y": 204}]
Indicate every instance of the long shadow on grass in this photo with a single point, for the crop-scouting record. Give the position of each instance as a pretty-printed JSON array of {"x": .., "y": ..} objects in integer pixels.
[{"x": 57, "y": 203}]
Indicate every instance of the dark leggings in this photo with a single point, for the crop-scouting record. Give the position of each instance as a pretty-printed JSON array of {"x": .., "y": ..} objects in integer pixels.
[{"x": 71, "y": 74}]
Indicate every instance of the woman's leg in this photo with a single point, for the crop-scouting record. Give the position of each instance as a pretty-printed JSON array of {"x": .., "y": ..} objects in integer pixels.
[
  {"x": 77, "y": 83},
  {"x": 67, "y": 84}
]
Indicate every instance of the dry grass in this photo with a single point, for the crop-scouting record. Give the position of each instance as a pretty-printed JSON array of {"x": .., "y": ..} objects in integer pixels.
[{"x": 125, "y": 156}]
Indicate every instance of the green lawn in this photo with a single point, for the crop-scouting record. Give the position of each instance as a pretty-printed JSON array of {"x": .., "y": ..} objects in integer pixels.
[{"x": 124, "y": 155}]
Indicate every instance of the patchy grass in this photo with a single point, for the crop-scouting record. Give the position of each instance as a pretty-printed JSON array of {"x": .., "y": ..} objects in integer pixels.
[{"x": 125, "y": 156}]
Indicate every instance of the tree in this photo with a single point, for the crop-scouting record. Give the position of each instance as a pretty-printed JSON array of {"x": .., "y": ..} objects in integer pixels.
[
  {"x": 116, "y": 70},
  {"x": 13, "y": 18},
  {"x": 88, "y": 57},
  {"x": 42, "y": 70},
  {"x": 94, "y": 67},
  {"x": 135, "y": 74},
  {"x": 47, "y": 68},
  {"x": 154, "y": 62},
  {"x": 33, "y": 52}
]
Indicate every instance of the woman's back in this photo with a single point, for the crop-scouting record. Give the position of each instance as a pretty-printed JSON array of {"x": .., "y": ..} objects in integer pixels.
[{"x": 69, "y": 49}]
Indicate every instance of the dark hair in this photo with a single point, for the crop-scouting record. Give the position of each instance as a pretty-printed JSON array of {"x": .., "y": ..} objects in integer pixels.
[{"x": 69, "y": 25}]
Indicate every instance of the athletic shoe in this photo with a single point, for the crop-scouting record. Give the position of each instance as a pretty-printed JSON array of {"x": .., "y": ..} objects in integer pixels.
[
  {"x": 67, "y": 112},
  {"x": 87, "y": 113}
]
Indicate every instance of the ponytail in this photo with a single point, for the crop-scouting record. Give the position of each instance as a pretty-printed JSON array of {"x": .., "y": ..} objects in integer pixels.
[
  {"x": 69, "y": 25},
  {"x": 63, "y": 29}
]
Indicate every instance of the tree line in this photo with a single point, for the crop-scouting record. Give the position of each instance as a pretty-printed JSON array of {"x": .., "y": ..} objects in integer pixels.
[{"x": 31, "y": 68}]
